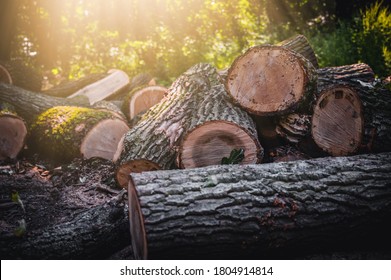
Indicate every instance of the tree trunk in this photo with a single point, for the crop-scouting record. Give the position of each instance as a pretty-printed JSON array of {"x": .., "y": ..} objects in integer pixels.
[
  {"x": 152, "y": 144},
  {"x": 375, "y": 101},
  {"x": 271, "y": 80},
  {"x": 68, "y": 88},
  {"x": 29, "y": 104},
  {"x": 13, "y": 132},
  {"x": 8, "y": 19},
  {"x": 64, "y": 133},
  {"x": 220, "y": 128},
  {"x": 141, "y": 99},
  {"x": 255, "y": 211},
  {"x": 113, "y": 83}
]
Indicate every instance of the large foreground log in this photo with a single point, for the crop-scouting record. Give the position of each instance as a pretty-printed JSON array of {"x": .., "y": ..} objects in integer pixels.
[
  {"x": 65, "y": 132},
  {"x": 284, "y": 210},
  {"x": 249, "y": 211}
]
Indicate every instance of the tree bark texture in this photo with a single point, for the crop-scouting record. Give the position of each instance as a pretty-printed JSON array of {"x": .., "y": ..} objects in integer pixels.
[
  {"x": 375, "y": 99},
  {"x": 271, "y": 80},
  {"x": 256, "y": 210},
  {"x": 30, "y": 104},
  {"x": 13, "y": 132},
  {"x": 152, "y": 144},
  {"x": 64, "y": 133}
]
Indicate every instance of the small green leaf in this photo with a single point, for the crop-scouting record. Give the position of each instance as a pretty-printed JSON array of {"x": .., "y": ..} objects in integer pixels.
[
  {"x": 21, "y": 229},
  {"x": 16, "y": 198},
  {"x": 236, "y": 156}
]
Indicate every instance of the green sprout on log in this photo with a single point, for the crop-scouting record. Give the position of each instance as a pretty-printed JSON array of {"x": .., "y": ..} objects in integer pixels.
[{"x": 236, "y": 156}]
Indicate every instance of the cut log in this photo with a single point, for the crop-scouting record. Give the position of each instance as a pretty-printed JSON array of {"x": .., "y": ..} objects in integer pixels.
[
  {"x": 13, "y": 132},
  {"x": 375, "y": 99},
  {"x": 68, "y": 88},
  {"x": 113, "y": 83},
  {"x": 141, "y": 99},
  {"x": 30, "y": 104},
  {"x": 64, "y": 133},
  {"x": 337, "y": 122},
  {"x": 294, "y": 127},
  {"x": 16, "y": 72},
  {"x": 271, "y": 80},
  {"x": 284, "y": 210},
  {"x": 152, "y": 144},
  {"x": 220, "y": 128},
  {"x": 300, "y": 44},
  {"x": 254, "y": 211}
]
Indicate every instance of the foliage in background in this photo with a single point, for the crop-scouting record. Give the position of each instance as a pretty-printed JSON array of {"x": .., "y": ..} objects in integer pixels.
[{"x": 70, "y": 39}]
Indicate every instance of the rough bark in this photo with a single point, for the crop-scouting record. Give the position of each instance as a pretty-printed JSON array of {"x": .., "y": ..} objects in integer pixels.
[
  {"x": 255, "y": 211},
  {"x": 68, "y": 88},
  {"x": 64, "y": 133},
  {"x": 220, "y": 127},
  {"x": 115, "y": 82},
  {"x": 152, "y": 144},
  {"x": 30, "y": 104},
  {"x": 271, "y": 80},
  {"x": 301, "y": 45},
  {"x": 284, "y": 210},
  {"x": 13, "y": 132},
  {"x": 375, "y": 99}
]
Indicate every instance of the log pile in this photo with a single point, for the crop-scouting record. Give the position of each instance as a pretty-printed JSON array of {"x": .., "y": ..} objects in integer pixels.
[{"x": 274, "y": 104}]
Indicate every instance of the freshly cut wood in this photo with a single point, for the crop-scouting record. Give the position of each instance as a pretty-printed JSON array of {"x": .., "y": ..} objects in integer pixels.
[
  {"x": 152, "y": 144},
  {"x": 271, "y": 80},
  {"x": 300, "y": 44},
  {"x": 375, "y": 98},
  {"x": 30, "y": 104},
  {"x": 68, "y": 88},
  {"x": 255, "y": 211},
  {"x": 114, "y": 82},
  {"x": 220, "y": 127},
  {"x": 284, "y": 210},
  {"x": 13, "y": 132},
  {"x": 338, "y": 122},
  {"x": 64, "y": 133},
  {"x": 16, "y": 72},
  {"x": 141, "y": 99}
]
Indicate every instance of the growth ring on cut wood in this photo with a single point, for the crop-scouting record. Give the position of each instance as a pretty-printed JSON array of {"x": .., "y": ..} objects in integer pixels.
[
  {"x": 208, "y": 143},
  {"x": 268, "y": 80},
  {"x": 12, "y": 137},
  {"x": 337, "y": 122},
  {"x": 143, "y": 99}
]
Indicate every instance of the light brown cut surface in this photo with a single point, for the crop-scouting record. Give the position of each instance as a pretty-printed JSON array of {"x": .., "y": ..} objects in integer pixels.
[
  {"x": 266, "y": 80},
  {"x": 134, "y": 166},
  {"x": 12, "y": 136},
  {"x": 145, "y": 98},
  {"x": 209, "y": 143},
  {"x": 102, "y": 140},
  {"x": 337, "y": 123}
]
